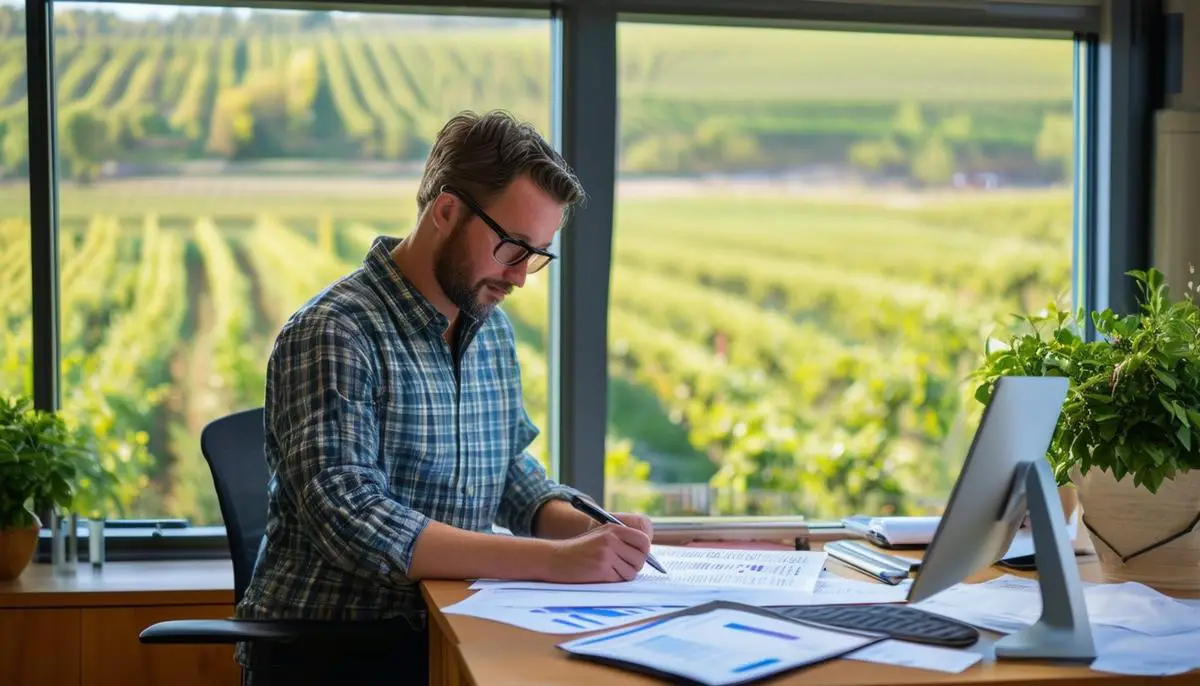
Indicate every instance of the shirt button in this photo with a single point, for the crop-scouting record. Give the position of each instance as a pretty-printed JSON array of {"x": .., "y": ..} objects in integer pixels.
[{"x": 470, "y": 490}]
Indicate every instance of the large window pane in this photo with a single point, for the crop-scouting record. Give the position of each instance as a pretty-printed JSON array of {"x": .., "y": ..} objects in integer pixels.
[
  {"x": 815, "y": 232},
  {"x": 219, "y": 168},
  {"x": 16, "y": 296}
]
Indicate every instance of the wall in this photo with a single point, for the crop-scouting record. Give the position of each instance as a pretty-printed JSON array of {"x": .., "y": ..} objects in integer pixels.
[{"x": 1176, "y": 236}]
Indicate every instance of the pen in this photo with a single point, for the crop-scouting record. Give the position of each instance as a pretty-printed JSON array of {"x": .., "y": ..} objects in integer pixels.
[
  {"x": 888, "y": 575},
  {"x": 597, "y": 513}
]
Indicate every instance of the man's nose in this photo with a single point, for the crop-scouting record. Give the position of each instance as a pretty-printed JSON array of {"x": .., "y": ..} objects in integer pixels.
[{"x": 516, "y": 274}]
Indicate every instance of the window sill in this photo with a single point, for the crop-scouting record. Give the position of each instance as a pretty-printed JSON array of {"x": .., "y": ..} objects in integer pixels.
[{"x": 175, "y": 540}]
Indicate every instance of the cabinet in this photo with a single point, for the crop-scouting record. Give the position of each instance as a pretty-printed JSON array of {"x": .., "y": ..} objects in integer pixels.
[{"x": 82, "y": 629}]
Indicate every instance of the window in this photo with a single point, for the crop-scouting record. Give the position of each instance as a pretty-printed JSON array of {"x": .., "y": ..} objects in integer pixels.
[
  {"x": 815, "y": 232},
  {"x": 16, "y": 295},
  {"x": 218, "y": 168}
]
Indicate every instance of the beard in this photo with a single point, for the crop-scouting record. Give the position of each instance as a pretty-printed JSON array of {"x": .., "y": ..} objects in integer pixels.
[{"x": 452, "y": 269}]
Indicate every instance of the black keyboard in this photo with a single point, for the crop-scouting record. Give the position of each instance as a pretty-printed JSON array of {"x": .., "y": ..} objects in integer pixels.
[{"x": 897, "y": 621}]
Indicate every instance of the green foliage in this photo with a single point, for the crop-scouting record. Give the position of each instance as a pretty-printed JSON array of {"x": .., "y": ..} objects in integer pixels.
[
  {"x": 44, "y": 463},
  {"x": 85, "y": 141},
  {"x": 1134, "y": 400},
  {"x": 1056, "y": 142}
]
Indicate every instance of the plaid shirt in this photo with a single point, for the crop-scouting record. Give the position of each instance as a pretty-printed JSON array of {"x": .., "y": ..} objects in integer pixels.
[{"x": 372, "y": 430}]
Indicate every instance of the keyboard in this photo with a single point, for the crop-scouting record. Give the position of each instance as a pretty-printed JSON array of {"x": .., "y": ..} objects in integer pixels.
[{"x": 896, "y": 621}]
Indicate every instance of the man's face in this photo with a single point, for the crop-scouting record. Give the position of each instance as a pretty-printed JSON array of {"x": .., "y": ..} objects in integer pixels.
[{"x": 465, "y": 268}]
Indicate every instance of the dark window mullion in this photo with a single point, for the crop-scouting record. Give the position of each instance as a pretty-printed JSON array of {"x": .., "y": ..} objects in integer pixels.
[{"x": 43, "y": 204}]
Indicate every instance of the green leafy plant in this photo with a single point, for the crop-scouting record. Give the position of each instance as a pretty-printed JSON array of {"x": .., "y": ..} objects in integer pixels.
[
  {"x": 45, "y": 463},
  {"x": 1133, "y": 406}
]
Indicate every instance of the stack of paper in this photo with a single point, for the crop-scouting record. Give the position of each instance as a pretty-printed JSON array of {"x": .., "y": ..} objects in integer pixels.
[
  {"x": 695, "y": 576},
  {"x": 1137, "y": 630}
]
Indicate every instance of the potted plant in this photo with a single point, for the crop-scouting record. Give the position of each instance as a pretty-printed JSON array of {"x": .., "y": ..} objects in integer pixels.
[
  {"x": 42, "y": 464},
  {"x": 1128, "y": 438}
]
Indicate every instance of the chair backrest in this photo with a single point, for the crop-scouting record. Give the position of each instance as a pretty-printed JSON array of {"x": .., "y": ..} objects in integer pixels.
[{"x": 233, "y": 448}]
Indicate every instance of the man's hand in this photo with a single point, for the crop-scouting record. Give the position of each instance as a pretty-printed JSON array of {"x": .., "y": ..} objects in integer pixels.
[
  {"x": 630, "y": 519},
  {"x": 605, "y": 553}
]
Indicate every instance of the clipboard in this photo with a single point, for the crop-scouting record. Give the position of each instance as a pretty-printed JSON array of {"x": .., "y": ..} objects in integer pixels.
[{"x": 868, "y": 639}]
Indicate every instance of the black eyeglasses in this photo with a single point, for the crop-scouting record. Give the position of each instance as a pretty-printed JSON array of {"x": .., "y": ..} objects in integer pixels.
[{"x": 509, "y": 251}]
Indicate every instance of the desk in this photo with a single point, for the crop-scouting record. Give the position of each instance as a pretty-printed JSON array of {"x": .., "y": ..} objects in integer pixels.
[
  {"x": 82, "y": 629},
  {"x": 467, "y": 650}
]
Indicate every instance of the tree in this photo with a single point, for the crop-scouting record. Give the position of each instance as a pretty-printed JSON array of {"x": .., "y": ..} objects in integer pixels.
[
  {"x": 14, "y": 145},
  {"x": 933, "y": 162},
  {"x": 1056, "y": 143},
  {"x": 84, "y": 142},
  {"x": 909, "y": 123}
]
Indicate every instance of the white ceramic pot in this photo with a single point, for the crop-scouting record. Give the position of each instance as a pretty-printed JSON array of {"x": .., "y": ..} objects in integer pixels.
[{"x": 1122, "y": 520}]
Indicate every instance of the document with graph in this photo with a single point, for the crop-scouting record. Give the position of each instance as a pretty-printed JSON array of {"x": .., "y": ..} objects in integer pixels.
[
  {"x": 692, "y": 568},
  {"x": 719, "y": 644}
]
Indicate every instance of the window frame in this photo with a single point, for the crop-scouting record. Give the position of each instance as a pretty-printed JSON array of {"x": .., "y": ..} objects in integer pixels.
[{"x": 1116, "y": 54}]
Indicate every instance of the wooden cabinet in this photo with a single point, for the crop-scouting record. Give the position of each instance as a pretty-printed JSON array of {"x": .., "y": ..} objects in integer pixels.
[
  {"x": 39, "y": 646},
  {"x": 82, "y": 629}
]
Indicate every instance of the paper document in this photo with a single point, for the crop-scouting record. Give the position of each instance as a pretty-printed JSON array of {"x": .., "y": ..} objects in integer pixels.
[
  {"x": 901, "y": 531},
  {"x": 553, "y": 619},
  {"x": 830, "y": 590},
  {"x": 836, "y": 590},
  {"x": 1011, "y": 607},
  {"x": 904, "y": 654},
  {"x": 1121, "y": 651},
  {"x": 705, "y": 567},
  {"x": 1022, "y": 544},
  {"x": 719, "y": 647},
  {"x": 905, "y": 530}
]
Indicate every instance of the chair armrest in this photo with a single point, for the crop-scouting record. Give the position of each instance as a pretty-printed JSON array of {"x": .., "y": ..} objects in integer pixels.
[
  {"x": 196, "y": 631},
  {"x": 220, "y": 631}
]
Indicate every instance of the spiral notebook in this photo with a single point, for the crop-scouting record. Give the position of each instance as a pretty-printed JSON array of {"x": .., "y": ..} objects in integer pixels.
[{"x": 719, "y": 644}]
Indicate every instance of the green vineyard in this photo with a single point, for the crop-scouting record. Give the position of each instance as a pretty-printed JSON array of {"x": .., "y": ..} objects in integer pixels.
[
  {"x": 755, "y": 368},
  {"x": 143, "y": 95},
  {"x": 770, "y": 350}
]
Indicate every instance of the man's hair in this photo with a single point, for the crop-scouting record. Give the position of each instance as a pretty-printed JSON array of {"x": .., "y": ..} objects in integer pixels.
[{"x": 482, "y": 154}]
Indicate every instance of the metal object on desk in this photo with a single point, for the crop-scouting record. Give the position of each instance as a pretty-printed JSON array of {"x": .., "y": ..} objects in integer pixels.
[
  {"x": 906, "y": 564},
  {"x": 887, "y": 573}
]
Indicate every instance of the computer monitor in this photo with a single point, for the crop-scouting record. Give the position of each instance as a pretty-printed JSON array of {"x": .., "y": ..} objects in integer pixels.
[{"x": 1006, "y": 474}]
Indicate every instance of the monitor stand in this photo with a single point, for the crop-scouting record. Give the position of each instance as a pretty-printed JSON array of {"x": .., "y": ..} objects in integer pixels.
[{"x": 1063, "y": 631}]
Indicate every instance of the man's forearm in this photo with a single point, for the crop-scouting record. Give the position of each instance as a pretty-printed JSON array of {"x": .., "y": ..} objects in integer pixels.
[
  {"x": 445, "y": 552},
  {"x": 558, "y": 519}
]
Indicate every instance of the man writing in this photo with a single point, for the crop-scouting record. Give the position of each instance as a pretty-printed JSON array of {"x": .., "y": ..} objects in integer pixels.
[{"x": 395, "y": 431}]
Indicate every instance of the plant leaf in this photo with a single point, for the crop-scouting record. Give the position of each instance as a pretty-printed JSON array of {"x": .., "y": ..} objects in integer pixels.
[{"x": 1168, "y": 380}]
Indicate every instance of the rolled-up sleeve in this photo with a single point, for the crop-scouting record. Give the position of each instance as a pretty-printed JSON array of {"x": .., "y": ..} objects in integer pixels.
[
  {"x": 526, "y": 485},
  {"x": 329, "y": 446}
]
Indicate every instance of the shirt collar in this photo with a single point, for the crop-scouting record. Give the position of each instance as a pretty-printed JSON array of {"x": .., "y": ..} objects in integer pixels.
[{"x": 416, "y": 312}]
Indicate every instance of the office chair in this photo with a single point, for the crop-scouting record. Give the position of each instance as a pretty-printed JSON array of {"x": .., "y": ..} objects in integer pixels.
[{"x": 233, "y": 447}]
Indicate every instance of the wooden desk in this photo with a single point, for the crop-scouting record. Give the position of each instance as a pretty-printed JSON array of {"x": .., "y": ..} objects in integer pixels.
[
  {"x": 466, "y": 650},
  {"x": 82, "y": 629}
]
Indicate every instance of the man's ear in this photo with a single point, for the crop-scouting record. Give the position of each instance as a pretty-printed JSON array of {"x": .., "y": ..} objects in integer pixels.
[{"x": 443, "y": 212}]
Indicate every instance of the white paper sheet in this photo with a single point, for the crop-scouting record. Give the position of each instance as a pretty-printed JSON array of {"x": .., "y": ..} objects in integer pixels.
[
  {"x": 719, "y": 647},
  {"x": 830, "y": 589},
  {"x": 904, "y": 654},
  {"x": 1127, "y": 605},
  {"x": 905, "y": 530},
  {"x": 553, "y": 619},
  {"x": 689, "y": 568},
  {"x": 1022, "y": 544},
  {"x": 1121, "y": 651}
]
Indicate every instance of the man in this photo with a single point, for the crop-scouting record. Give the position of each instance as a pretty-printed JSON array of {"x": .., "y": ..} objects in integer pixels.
[{"x": 395, "y": 432}]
